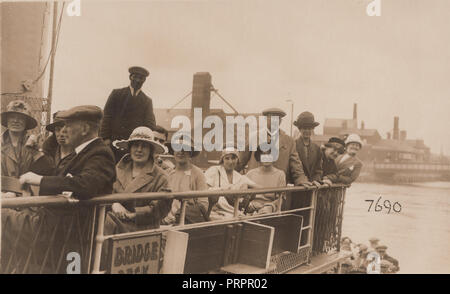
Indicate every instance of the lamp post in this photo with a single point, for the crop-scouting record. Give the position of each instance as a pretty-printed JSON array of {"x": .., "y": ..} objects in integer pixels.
[{"x": 292, "y": 113}]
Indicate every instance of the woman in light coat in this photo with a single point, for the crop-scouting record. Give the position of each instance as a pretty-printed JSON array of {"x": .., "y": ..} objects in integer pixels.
[{"x": 137, "y": 172}]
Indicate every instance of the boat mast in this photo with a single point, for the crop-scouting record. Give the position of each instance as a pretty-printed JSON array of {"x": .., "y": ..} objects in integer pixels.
[{"x": 52, "y": 62}]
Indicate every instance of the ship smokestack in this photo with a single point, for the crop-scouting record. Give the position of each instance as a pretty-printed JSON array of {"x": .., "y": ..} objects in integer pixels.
[
  {"x": 396, "y": 130},
  {"x": 201, "y": 93},
  {"x": 355, "y": 111}
]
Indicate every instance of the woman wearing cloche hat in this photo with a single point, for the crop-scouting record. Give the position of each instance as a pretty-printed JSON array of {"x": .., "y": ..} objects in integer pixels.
[{"x": 19, "y": 151}]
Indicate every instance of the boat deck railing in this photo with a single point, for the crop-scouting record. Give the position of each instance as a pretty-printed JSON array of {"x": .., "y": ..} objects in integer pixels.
[{"x": 60, "y": 225}]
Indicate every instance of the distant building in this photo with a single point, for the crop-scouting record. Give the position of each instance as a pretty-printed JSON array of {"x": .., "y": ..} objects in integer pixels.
[{"x": 397, "y": 149}]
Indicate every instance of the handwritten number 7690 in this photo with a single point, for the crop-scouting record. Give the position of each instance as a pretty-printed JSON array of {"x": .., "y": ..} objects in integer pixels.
[{"x": 396, "y": 207}]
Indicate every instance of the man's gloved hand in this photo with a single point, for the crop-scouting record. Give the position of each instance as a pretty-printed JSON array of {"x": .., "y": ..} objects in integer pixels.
[
  {"x": 317, "y": 184},
  {"x": 30, "y": 178}
]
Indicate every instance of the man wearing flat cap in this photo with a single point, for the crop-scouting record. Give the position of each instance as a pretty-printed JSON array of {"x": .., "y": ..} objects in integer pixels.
[
  {"x": 288, "y": 160},
  {"x": 126, "y": 109},
  {"x": 91, "y": 171}
]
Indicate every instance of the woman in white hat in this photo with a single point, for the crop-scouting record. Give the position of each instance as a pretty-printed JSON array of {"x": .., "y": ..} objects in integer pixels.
[
  {"x": 349, "y": 165},
  {"x": 225, "y": 177},
  {"x": 137, "y": 172}
]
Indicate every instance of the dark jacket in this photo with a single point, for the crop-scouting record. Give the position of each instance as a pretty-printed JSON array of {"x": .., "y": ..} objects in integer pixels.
[
  {"x": 52, "y": 149},
  {"x": 288, "y": 160},
  {"x": 329, "y": 168},
  {"x": 92, "y": 172},
  {"x": 148, "y": 212},
  {"x": 311, "y": 158},
  {"x": 348, "y": 170},
  {"x": 123, "y": 113}
]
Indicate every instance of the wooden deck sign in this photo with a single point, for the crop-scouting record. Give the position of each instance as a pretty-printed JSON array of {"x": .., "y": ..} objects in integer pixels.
[{"x": 135, "y": 255}]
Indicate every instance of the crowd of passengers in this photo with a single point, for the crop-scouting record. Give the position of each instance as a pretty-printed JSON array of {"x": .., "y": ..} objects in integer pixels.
[{"x": 120, "y": 149}]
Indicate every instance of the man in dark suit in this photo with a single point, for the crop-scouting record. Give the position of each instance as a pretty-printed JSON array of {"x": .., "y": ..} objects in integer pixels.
[
  {"x": 91, "y": 171},
  {"x": 126, "y": 109},
  {"x": 308, "y": 152}
]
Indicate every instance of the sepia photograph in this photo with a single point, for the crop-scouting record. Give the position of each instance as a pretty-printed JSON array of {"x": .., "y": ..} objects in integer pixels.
[{"x": 225, "y": 137}]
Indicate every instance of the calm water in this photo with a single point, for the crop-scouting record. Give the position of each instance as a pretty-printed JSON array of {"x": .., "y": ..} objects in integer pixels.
[{"x": 418, "y": 236}]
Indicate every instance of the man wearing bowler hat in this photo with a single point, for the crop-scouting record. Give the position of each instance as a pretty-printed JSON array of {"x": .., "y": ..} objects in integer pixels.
[
  {"x": 126, "y": 109},
  {"x": 308, "y": 152}
]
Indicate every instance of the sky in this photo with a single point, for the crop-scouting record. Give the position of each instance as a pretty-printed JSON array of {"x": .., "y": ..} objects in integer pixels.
[{"x": 323, "y": 55}]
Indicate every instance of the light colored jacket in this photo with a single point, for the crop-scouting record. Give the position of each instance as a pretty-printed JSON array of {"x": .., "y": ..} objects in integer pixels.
[{"x": 349, "y": 169}]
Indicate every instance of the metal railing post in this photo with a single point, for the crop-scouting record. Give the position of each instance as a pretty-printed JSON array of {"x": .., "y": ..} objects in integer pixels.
[
  {"x": 182, "y": 212},
  {"x": 341, "y": 216},
  {"x": 280, "y": 202},
  {"x": 99, "y": 239},
  {"x": 236, "y": 206},
  {"x": 312, "y": 219}
]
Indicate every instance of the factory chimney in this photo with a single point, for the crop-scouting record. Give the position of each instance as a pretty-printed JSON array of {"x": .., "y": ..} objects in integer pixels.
[
  {"x": 403, "y": 135},
  {"x": 396, "y": 130},
  {"x": 355, "y": 111},
  {"x": 201, "y": 93},
  {"x": 388, "y": 135},
  {"x": 362, "y": 125}
]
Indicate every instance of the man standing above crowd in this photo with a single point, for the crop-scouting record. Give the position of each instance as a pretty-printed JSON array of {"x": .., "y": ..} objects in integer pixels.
[{"x": 126, "y": 109}]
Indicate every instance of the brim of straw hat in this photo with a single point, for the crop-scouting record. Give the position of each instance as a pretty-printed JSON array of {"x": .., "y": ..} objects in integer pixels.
[
  {"x": 30, "y": 122},
  {"x": 124, "y": 144}
]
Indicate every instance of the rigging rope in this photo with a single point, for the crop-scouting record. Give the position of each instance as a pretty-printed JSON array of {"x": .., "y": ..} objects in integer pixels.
[
  {"x": 181, "y": 100},
  {"x": 220, "y": 96}
]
